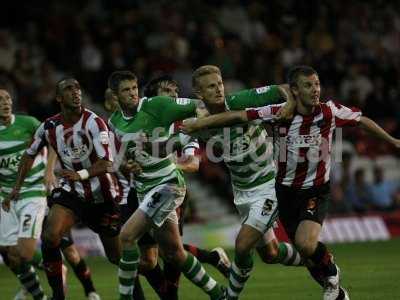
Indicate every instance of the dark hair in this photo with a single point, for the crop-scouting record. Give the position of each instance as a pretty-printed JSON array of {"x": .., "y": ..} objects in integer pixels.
[
  {"x": 151, "y": 88},
  {"x": 116, "y": 77},
  {"x": 297, "y": 71},
  {"x": 60, "y": 86}
]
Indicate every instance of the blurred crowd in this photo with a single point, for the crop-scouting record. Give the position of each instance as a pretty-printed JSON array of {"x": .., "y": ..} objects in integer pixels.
[{"x": 354, "y": 45}]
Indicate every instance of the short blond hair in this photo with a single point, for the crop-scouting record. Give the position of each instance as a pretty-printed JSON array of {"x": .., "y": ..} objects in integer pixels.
[{"x": 202, "y": 71}]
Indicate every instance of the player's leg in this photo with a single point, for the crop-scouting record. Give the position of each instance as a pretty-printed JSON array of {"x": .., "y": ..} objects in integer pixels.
[
  {"x": 135, "y": 227},
  {"x": 170, "y": 242},
  {"x": 126, "y": 210},
  {"x": 78, "y": 264},
  {"x": 274, "y": 252},
  {"x": 217, "y": 257},
  {"x": 159, "y": 206},
  {"x": 21, "y": 227},
  {"x": 150, "y": 267},
  {"x": 59, "y": 222},
  {"x": 302, "y": 215}
]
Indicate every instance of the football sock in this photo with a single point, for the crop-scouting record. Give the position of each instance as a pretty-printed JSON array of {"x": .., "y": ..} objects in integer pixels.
[
  {"x": 194, "y": 271},
  {"x": 82, "y": 272},
  {"x": 29, "y": 279},
  {"x": 157, "y": 280},
  {"x": 240, "y": 272},
  {"x": 127, "y": 272},
  {"x": 323, "y": 260},
  {"x": 172, "y": 275},
  {"x": 52, "y": 262},
  {"x": 288, "y": 255}
]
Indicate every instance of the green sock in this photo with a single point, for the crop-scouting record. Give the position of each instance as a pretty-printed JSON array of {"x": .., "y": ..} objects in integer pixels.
[
  {"x": 288, "y": 255},
  {"x": 194, "y": 271},
  {"x": 127, "y": 272},
  {"x": 239, "y": 273}
]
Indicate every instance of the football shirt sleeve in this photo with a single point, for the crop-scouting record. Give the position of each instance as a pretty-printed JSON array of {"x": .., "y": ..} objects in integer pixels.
[
  {"x": 261, "y": 96},
  {"x": 168, "y": 110},
  {"x": 101, "y": 139},
  {"x": 38, "y": 142},
  {"x": 345, "y": 116}
]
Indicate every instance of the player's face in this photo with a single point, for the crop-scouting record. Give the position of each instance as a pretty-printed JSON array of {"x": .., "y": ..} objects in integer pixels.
[
  {"x": 169, "y": 89},
  {"x": 308, "y": 90},
  {"x": 128, "y": 94},
  {"x": 71, "y": 93},
  {"x": 211, "y": 89},
  {"x": 5, "y": 104}
]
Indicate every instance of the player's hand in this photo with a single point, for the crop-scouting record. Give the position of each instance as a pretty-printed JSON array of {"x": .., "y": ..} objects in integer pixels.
[
  {"x": 12, "y": 197},
  {"x": 132, "y": 166},
  {"x": 189, "y": 125},
  {"x": 286, "y": 112},
  {"x": 69, "y": 175},
  {"x": 50, "y": 181},
  {"x": 396, "y": 143}
]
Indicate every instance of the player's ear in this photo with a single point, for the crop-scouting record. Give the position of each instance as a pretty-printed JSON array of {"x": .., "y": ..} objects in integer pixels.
[
  {"x": 58, "y": 98},
  {"x": 294, "y": 90},
  {"x": 197, "y": 93}
]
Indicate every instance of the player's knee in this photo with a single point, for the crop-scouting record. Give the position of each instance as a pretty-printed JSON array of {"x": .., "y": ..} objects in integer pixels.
[
  {"x": 71, "y": 255},
  {"x": 241, "y": 248},
  {"x": 126, "y": 238},
  {"x": 51, "y": 239},
  {"x": 306, "y": 247},
  {"x": 148, "y": 262}
]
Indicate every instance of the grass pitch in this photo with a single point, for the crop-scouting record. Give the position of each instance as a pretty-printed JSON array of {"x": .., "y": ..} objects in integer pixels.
[{"x": 370, "y": 271}]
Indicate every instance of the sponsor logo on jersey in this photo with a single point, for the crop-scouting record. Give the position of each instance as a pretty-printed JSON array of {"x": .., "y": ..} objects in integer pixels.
[
  {"x": 263, "y": 89},
  {"x": 307, "y": 140},
  {"x": 182, "y": 101}
]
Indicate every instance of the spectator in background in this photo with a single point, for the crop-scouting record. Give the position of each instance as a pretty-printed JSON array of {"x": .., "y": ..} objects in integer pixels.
[
  {"x": 358, "y": 193},
  {"x": 383, "y": 191}
]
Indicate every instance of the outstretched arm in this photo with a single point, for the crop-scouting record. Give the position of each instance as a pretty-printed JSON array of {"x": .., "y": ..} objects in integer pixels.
[
  {"x": 374, "y": 129},
  {"x": 229, "y": 118},
  {"x": 214, "y": 121}
]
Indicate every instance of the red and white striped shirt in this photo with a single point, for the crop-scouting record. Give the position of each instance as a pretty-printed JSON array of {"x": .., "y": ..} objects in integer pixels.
[
  {"x": 303, "y": 146},
  {"x": 78, "y": 147}
]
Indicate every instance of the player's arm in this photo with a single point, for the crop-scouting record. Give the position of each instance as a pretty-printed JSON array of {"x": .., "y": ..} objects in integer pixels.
[
  {"x": 263, "y": 96},
  {"x": 231, "y": 118},
  {"x": 50, "y": 179},
  {"x": 25, "y": 165},
  {"x": 168, "y": 110},
  {"x": 375, "y": 130},
  {"x": 188, "y": 161}
]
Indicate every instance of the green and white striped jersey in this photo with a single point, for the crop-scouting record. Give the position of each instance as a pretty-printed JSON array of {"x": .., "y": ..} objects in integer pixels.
[
  {"x": 247, "y": 150},
  {"x": 153, "y": 118},
  {"x": 14, "y": 140}
]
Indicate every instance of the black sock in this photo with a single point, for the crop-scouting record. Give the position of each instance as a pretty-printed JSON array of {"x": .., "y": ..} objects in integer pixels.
[
  {"x": 203, "y": 256},
  {"x": 138, "y": 291},
  {"x": 323, "y": 260},
  {"x": 83, "y": 273},
  {"x": 172, "y": 274},
  {"x": 52, "y": 262},
  {"x": 157, "y": 280}
]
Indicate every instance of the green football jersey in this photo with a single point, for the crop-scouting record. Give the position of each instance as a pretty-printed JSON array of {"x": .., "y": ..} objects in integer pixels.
[
  {"x": 14, "y": 140},
  {"x": 154, "y": 117},
  {"x": 247, "y": 149}
]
